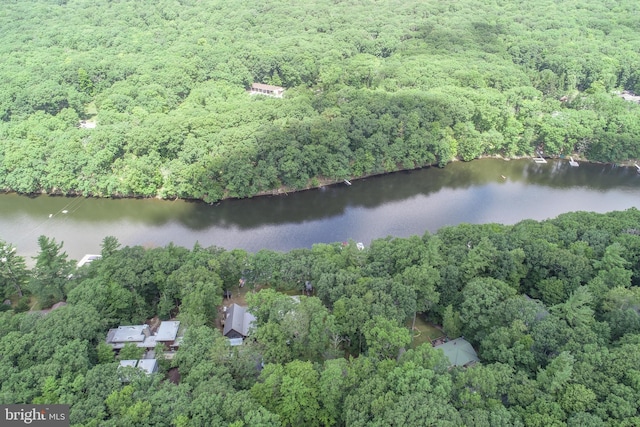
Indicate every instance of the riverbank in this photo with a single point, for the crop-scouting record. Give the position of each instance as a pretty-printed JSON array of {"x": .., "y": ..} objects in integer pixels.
[{"x": 314, "y": 183}]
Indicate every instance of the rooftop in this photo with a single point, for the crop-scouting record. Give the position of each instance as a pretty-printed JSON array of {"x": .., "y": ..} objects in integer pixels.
[
  {"x": 148, "y": 365},
  {"x": 266, "y": 87},
  {"x": 167, "y": 331},
  {"x": 124, "y": 334},
  {"x": 131, "y": 363},
  {"x": 239, "y": 320},
  {"x": 459, "y": 352}
]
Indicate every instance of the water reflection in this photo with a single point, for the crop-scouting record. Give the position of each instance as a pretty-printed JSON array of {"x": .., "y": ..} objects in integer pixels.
[{"x": 400, "y": 204}]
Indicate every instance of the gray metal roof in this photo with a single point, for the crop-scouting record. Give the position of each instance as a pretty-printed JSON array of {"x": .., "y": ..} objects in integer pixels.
[
  {"x": 167, "y": 331},
  {"x": 239, "y": 320},
  {"x": 131, "y": 363},
  {"x": 148, "y": 365},
  {"x": 123, "y": 334}
]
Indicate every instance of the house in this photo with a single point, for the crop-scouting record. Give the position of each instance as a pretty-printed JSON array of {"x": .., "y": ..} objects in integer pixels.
[
  {"x": 459, "y": 352},
  {"x": 122, "y": 335},
  {"x": 142, "y": 336},
  {"x": 268, "y": 90},
  {"x": 238, "y": 322},
  {"x": 167, "y": 334}
]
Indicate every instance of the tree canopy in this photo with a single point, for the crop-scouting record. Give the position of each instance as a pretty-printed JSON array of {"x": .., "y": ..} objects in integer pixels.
[
  {"x": 123, "y": 98},
  {"x": 555, "y": 347}
]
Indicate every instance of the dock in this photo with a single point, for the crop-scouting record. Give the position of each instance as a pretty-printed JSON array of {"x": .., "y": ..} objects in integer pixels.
[
  {"x": 573, "y": 162},
  {"x": 539, "y": 160}
]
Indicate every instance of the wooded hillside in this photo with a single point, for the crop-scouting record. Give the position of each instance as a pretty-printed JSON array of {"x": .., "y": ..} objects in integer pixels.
[
  {"x": 551, "y": 307},
  {"x": 371, "y": 87}
]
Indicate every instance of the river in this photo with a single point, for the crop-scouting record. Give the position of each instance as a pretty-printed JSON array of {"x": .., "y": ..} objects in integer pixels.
[{"x": 399, "y": 204}]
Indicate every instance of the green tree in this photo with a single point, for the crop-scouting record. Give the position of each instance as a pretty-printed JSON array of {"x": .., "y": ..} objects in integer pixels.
[
  {"x": 51, "y": 272},
  {"x": 13, "y": 271},
  {"x": 131, "y": 351},
  {"x": 292, "y": 392},
  {"x": 451, "y": 323},
  {"x": 385, "y": 338}
]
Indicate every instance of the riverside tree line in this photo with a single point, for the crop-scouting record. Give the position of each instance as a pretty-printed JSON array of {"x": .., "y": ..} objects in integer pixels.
[
  {"x": 552, "y": 308},
  {"x": 371, "y": 87}
]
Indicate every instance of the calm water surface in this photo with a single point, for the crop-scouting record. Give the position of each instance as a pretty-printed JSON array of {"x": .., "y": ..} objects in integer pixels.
[{"x": 400, "y": 204}]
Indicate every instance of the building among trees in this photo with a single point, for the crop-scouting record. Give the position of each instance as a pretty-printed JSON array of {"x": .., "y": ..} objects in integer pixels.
[
  {"x": 269, "y": 90},
  {"x": 238, "y": 322},
  {"x": 144, "y": 337},
  {"x": 459, "y": 352}
]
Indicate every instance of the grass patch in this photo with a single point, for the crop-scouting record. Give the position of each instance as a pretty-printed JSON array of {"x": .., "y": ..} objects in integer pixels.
[{"x": 423, "y": 332}]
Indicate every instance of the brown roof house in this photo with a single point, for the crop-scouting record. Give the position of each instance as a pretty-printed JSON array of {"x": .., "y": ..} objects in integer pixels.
[{"x": 238, "y": 322}]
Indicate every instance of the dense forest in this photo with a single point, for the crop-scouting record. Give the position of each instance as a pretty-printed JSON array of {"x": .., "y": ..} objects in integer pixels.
[
  {"x": 371, "y": 87},
  {"x": 552, "y": 308}
]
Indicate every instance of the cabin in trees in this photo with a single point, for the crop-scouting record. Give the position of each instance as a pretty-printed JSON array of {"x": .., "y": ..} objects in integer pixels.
[
  {"x": 459, "y": 352},
  {"x": 268, "y": 90},
  {"x": 237, "y": 322},
  {"x": 143, "y": 336}
]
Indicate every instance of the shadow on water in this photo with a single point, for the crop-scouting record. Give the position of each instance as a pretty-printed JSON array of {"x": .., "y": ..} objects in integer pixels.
[{"x": 327, "y": 202}]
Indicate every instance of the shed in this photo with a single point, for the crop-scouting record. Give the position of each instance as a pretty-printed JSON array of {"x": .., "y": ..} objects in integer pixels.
[{"x": 459, "y": 352}]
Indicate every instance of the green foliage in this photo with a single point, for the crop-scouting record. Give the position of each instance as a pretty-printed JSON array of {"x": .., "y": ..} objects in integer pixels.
[
  {"x": 451, "y": 323},
  {"x": 131, "y": 351},
  {"x": 415, "y": 84},
  {"x": 13, "y": 271},
  {"x": 341, "y": 358},
  {"x": 51, "y": 273}
]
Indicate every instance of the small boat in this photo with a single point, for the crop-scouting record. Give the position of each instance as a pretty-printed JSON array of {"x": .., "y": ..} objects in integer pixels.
[
  {"x": 573, "y": 162},
  {"x": 503, "y": 177},
  {"x": 346, "y": 181}
]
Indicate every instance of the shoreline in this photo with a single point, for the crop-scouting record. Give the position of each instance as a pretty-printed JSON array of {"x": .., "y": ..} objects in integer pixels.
[{"x": 322, "y": 181}]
